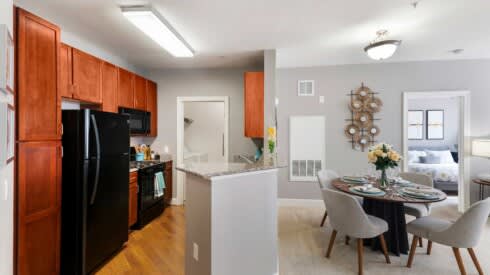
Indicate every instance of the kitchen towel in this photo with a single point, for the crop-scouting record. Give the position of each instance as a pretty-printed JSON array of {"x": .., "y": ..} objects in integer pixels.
[{"x": 159, "y": 185}]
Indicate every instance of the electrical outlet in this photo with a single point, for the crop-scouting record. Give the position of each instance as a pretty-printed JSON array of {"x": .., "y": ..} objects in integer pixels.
[
  {"x": 322, "y": 99},
  {"x": 195, "y": 252}
]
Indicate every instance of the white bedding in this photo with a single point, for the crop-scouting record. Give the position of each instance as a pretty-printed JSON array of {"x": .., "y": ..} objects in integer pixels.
[{"x": 438, "y": 172}]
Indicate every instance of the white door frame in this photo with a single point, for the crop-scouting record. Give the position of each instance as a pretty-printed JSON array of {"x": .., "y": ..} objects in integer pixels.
[
  {"x": 464, "y": 138},
  {"x": 180, "y": 135}
]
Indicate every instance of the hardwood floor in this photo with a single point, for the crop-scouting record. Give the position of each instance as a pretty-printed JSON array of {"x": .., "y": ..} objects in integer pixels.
[{"x": 156, "y": 249}]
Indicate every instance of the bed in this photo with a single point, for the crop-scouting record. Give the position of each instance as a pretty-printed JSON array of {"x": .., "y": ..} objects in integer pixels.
[{"x": 437, "y": 162}]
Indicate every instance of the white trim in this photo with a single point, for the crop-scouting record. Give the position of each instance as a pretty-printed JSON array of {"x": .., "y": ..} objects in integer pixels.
[
  {"x": 300, "y": 203},
  {"x": 174, "y": 201},
  {"x": 180, "y": 135},
  {"x": 464, "y": 138}
]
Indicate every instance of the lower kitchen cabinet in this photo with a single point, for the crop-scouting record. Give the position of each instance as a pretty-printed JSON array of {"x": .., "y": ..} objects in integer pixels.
[
  {"x": 133, "y": 198},
  {"x": 168, "y": 182}
]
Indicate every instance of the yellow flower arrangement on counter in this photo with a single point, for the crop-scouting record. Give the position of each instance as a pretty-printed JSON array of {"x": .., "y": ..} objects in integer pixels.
[
  {"x": 271, "y": 138},
  {"x": 383, "y": 156}
]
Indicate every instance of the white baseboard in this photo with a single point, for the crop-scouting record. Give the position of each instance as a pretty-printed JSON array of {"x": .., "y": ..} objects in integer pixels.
[
  {"x": 300, "y": 203},
  {"x": 175, "y": 201}
]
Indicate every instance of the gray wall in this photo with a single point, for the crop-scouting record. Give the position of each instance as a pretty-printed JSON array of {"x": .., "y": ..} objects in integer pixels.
[
  {"x": 206, "y": 82},
  {"x": 391, "y": 80},
  {"x": 451, "y": 120}
]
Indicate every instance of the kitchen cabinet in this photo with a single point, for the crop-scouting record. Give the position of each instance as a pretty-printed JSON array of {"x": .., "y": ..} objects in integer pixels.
[
  {"x": 168, "y": 182},
  {"x": 133, "y": 198},
  {"x": 254, "y": 104},
  {"x": 152, "y": 107},
  {"x": 86, "y": 77},
  {"x": 66, "y": 72},
  {"x": 139, "y": 93},
  {"x": 38, "y": 102},
  {"x": 125, "y": 88},
  {"x": 109, "y": 88}
]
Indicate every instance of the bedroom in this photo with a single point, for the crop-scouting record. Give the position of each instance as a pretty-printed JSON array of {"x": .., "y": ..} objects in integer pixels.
[{"x": 433, "y": 140}]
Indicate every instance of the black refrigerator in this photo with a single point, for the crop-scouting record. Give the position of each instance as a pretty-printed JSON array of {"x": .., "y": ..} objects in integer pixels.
[{"x": 95, "y": 189}]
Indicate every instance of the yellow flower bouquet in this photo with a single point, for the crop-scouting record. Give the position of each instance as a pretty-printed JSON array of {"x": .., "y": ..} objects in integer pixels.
[
  {"x": 271, "y": 138},
  {"x": 383, "y": 156}
]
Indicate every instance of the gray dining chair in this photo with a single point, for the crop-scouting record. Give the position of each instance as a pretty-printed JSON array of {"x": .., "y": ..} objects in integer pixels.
[
  {"x": 325, "y": 178},
  {"x": 347, "y": 216},
  {"x": 464, "y": 233},
  {"x": 418, "y": 210}
]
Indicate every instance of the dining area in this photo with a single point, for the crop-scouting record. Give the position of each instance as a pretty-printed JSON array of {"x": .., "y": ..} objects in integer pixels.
[{"x": 392, "y": 216}]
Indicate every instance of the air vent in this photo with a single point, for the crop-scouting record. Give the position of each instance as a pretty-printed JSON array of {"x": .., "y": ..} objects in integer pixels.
[
  {"x": 306, "y": 168},
  {"x": 306, "y": 88}
]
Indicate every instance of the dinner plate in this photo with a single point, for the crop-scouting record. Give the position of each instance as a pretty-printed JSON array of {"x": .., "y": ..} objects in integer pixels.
[
  {"x": 354, "y": 179},
  {"x": 420, "y": 193},
  {"x": 371, "y": 191}
]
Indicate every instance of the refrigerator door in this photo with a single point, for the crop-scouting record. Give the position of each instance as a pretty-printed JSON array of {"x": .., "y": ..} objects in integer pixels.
[
  {"x": 106, "y": 212},
  {"x": 106, "y": 134}
]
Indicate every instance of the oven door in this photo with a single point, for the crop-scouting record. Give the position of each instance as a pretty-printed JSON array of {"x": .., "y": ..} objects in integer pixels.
[
  {"x": 138, "y": 121},
  {"x": 146, "y": 182}
]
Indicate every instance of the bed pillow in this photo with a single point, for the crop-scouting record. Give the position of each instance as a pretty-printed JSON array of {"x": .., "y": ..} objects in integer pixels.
[
  {"x": 414, "y": 156},
  {"x": 444, "y": 156},
  {"x": 430, "y": 160}
]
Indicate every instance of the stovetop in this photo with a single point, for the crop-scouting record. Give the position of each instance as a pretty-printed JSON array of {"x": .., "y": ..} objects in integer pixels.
[{"x": 143, "y": 164}]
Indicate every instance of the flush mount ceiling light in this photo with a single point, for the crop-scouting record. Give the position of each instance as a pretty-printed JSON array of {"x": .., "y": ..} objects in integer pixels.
[
  {"x": 158, "y": 29},
  {"x": 381, "y": 48}
]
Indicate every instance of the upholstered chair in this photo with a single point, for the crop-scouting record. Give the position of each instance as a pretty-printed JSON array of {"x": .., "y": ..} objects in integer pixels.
[
  {"x": 464, "y": 233},
  {"x": 325, "y": 178},
  {"x": 347, "y": 216}
]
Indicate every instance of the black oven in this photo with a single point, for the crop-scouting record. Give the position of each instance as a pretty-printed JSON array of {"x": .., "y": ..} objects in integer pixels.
[
  {"x": 139, "y": 121},
  {"x": 149, "y": 206}
]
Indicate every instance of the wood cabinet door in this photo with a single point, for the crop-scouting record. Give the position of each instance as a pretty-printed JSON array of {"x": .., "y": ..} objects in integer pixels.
[
  {"x": 87, "y": 77},
  {"x": 66, "y": 76},
  {"x": 125, "y": 89},
  {"x": 38, "y": 207},
  {"x": 139, "y": 93},
  {"x": 133, "y": 204},
  {"x": 109, "y": 88},
  {"x": 168, "y": 182},
  {"x": 38, "y": 100},
  {"x": 254, "y": 104},
  {"x": 152, "y": 107}
]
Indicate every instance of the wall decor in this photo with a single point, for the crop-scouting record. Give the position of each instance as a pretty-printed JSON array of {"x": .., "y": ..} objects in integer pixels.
[
  {"x": 6, "y": 60},
  {"x": 415, "y": 124},
  {"x": 435, "y": 124},
  {"x": 361, "y": 129}
]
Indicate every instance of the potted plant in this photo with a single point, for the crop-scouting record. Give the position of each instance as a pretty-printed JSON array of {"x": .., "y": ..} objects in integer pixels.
[{"x": 383, "y": 156}]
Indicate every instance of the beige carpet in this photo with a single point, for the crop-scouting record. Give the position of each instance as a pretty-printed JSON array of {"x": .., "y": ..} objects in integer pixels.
[{"x": 302, "y": 246}]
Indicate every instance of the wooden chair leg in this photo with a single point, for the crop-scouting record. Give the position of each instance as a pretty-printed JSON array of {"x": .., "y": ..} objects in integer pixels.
[
  {"x": 330, "y": 245},
  {"x": 459, "y": 260},
  {"x": 429, "y": 247},
  {"x": 347, "y": 239},
  {"x": 475, "y": 261},
  {"x": 421, "y": 242},
  {"x": 360, "y": 251},
  {"x": 412, "y": 251},
  {"x": 385, "y": 249},
  {"x": 324, "y": 218}
]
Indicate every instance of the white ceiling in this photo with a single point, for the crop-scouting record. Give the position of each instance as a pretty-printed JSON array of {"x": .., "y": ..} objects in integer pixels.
[{"x": 232, "y": 33}]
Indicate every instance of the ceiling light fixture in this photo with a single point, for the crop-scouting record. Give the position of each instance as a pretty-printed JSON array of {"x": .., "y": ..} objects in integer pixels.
[
  {"x": 381, "y": 48},
  {"x": 158, "y": 29}
]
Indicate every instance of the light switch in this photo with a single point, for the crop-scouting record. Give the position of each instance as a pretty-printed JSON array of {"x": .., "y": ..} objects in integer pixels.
[
  {"x": 322, "y": 99},
  {"x": 195, "y": 252},
  {"x": 6, "y": 190}
]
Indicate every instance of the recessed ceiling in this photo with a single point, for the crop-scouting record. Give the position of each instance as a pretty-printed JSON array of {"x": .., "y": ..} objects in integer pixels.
[{"x": 227, "y": 33}]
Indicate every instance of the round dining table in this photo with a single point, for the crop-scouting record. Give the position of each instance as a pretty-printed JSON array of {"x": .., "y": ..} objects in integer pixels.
[{"x": 389, "y": 207}]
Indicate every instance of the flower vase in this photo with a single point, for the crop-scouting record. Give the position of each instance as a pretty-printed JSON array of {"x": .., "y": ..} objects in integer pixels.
[{"x": 383, "y": 181}]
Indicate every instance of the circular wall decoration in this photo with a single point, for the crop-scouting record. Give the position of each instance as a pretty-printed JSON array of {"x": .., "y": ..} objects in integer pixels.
[
  {"x": 356, "y": 105},
  {"x": 373, "y": 104},
  {"x": 363, "y": 118},
  {"x": 363, "y": 140},
  {"x": 363, "y": 93},
  {"x": 373, "y": 130},
  {"x": 352, "y": 130}
]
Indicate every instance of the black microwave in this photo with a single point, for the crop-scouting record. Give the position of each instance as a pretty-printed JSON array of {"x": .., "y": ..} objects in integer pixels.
[{"x": 139, "y": 121}]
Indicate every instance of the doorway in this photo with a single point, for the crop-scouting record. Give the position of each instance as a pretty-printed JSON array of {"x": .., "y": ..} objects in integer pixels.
[
  {"x": 436, "y": 140},
  {"x": 202, "y": 133}
]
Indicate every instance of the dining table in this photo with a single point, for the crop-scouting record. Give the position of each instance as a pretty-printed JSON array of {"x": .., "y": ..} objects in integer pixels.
[{"x": 389, "y": 206}]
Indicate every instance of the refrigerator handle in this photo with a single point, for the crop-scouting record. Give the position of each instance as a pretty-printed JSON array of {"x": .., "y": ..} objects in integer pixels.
[{"x": 97, "y": 168}]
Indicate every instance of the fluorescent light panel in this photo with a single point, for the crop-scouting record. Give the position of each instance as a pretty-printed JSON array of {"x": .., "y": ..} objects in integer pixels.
[{"x": 158, "y": 29}]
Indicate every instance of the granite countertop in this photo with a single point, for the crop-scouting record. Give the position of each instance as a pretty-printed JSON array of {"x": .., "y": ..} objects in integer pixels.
[{"x": 208, "y": 170}]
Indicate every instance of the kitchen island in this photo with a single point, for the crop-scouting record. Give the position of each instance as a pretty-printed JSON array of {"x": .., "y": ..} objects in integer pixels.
[{"x": 231, "y": 218}]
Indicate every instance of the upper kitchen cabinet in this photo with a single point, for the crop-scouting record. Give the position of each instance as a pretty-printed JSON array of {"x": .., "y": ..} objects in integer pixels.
[
  {"x": 38, "y": 101},
  {"x": 86, "y": 77},
  {"x": 109, "y": 88},
  {"x": 254, "y": 104},
  {"x": 152, "y": 106},
  {"x": 66, "y": 72},
  {"x": 139, "y": 93},
  {"x": 125, "y": 89}
]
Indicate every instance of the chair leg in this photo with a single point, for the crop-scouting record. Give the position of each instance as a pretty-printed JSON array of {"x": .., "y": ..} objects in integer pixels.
[
  {"x": 324, "y": 218},
  {"x": 421, "y": 242},
  {"x": 475, "y": 261},
  {"x": 330, "y": 245},
  {"x": 347, "y": 239},
  {"x": 412, "y": 251},
  {"x": 360, "y": 251},
  {"x": 429, "y": 247},
  {"x": 459, "y": 260},
  {"x": 385, "y": 250}
]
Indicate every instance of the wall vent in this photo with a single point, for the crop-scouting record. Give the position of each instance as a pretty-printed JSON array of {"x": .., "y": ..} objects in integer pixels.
[
  {"x": 306, "y": 168},
  {"x": 306, "y": 87}
]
